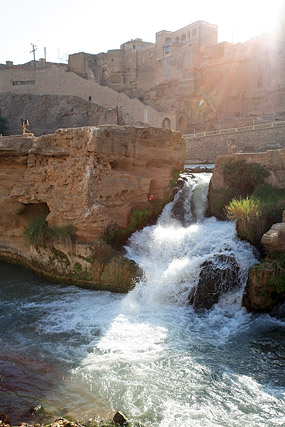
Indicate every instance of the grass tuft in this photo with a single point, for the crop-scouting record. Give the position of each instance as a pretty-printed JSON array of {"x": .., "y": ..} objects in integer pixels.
[
  {"x": 39, "y": 234},
  {"x": 266, "y": 203}
]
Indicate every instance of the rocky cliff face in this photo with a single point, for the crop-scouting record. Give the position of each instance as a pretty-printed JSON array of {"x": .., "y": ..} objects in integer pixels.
[
  {"x": 90, "y": 179},
  {"x": 47, "y": 113}
]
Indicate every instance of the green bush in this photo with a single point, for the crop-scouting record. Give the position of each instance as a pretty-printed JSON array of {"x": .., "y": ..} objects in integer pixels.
[
  {"x": 39, "y": 234},
  {"x": 3, "y": 125},
  {"x": 244, "y": 177},
  {"x": 272, "y": 202}
]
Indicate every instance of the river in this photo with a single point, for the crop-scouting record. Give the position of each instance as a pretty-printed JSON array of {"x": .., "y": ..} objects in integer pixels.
[{"x": 147, "y": 353}]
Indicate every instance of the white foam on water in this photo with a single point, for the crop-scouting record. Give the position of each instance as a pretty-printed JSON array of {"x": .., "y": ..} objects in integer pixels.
[{"x": 148, "y": 353}]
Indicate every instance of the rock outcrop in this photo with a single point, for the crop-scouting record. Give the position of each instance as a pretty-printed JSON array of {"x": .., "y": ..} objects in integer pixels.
[
  {"x": 273, "y": 160},
  {"x": 217, "y": 276},
  {"x": 90, "y": 179},
  {"x": 265, "y": 288},
  {"x": 274, "y": 239},
  {"x": 260, "y": 293}
]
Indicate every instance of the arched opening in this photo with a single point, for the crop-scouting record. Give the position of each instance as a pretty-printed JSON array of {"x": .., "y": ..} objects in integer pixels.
[
  {"x": 34, "y": 210},
  {"x": 166, "y": 123},
  {"x": 183, "y": 37},
  {"x": 182, "y": 124}
]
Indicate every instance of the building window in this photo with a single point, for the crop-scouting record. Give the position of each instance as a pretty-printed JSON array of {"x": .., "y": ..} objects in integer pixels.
[
  {"x": 134, "y": 46},
  {"x": 167, "y": 49},
  {"x": 194, "y": 32},
  {"x": 168, "y": 39},
  {"x": 183, "y": 37},
  {"x": 143, "y": 59},
  {"x": 89, "y": 98}
]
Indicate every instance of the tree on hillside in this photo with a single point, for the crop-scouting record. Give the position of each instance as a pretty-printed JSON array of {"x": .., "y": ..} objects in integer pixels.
[{"x": 3, "y": 125}]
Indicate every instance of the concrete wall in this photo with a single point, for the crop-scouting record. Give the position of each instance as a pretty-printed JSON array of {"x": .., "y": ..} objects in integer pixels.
[
  {"x": 57, "y": 81},
  {"x": 206, "y": 149}
]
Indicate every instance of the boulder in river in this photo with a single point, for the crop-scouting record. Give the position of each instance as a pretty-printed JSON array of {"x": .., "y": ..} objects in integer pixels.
[{"x": 218, "y": 275}]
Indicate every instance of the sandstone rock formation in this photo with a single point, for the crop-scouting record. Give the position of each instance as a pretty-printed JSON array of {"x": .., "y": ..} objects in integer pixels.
[
  {"x": 274, "y": 239},
  {"x": 265, "y": 287},
  {"x": 273, "y": 160},
  {"x": 92, "y": 179},
  {"x": 266, "y": 281},
  {"x": 220, "y": 192},
  {"x": 260, "y": 294}
]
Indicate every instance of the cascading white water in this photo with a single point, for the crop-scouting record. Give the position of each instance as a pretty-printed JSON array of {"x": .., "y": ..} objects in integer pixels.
[
  {"x": 171, "y": 254},
  {"x": 148, "y": 353}
]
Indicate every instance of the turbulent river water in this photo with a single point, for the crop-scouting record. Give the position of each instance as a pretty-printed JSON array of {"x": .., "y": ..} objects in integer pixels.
[{"x": 146, "y": 353}]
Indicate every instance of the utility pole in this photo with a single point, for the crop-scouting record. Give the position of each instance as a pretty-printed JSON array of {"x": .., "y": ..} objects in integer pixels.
[{"x": 34, "y": 53}]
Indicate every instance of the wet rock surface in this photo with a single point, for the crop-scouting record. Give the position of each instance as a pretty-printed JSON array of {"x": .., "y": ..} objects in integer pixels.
[
  {"x": 179, "y": 208},
  {"x": 218, "y": 276},
  {"x": 265, "y": 288},
  {"x": 119, "y": 419}
]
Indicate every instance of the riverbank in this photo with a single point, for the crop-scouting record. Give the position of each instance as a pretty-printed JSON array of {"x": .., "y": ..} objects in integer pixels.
[{"x": 119, "y": 419}]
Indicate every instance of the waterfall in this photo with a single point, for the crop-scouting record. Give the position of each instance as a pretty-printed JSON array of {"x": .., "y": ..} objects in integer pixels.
[
  {"x": 172, "y": 252},
  {"x": 153, "y": 353}
]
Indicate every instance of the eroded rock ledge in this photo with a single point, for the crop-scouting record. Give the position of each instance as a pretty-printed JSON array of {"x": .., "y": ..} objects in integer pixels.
[{"x": 93, "y": 179}]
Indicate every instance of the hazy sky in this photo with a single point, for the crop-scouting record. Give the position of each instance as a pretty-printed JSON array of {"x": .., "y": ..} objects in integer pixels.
[{"x": 93, "y": 26}]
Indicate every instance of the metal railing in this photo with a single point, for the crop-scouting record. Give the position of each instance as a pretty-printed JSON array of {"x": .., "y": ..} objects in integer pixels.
[{"x": 231, "y": 131}]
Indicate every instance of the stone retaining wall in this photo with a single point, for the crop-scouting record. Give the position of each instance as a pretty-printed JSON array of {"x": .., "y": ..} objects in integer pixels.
[{"x": 206, "y": 149}]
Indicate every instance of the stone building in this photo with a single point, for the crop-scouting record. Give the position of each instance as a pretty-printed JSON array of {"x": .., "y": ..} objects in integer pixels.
[
  {"x": 185, "y": 81},
  {"x": 140, "y": 65}
]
